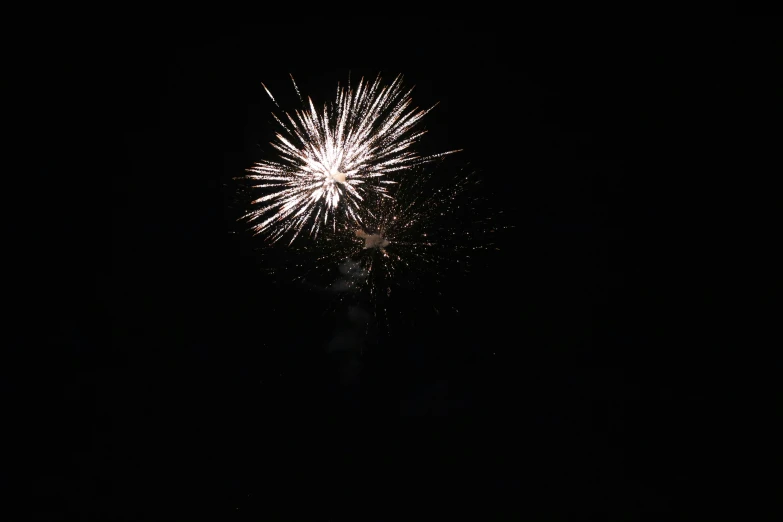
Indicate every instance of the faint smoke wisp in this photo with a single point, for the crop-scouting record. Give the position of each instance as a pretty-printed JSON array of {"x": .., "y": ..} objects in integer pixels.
[
  {"x": 347, "y": 343},
  {"x": 373, "y": 240}
]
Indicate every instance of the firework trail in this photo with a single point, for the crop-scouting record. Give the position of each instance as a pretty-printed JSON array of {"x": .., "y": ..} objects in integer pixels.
[{"x": 331, "y": 160}]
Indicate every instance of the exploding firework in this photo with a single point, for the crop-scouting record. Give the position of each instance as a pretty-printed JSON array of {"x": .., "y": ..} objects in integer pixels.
[
  {"x": 428, "y": 231},
  {"x": 436, "y": 226},
  {"x": 331, "y": 160}
]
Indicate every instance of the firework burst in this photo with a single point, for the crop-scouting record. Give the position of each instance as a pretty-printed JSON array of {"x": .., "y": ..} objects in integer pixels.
[
  {"x": 436, "y": 226},
  {"x": 429, "y": 230},
  {"x": 331, "y": 160}
]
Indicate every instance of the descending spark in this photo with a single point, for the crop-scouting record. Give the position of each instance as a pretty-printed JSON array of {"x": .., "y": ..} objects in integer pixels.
[{"x": 331, "y": 160}]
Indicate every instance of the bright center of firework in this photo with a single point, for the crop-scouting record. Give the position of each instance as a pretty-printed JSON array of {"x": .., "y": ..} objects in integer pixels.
[{"x": 338, "y": 176}]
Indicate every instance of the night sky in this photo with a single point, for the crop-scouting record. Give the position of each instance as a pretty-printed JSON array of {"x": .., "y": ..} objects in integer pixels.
[{"x": 179, "y": 381}]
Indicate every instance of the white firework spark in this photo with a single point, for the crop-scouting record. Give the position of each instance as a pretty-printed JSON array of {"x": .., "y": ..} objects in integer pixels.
[{"x": 331, "y": 160}]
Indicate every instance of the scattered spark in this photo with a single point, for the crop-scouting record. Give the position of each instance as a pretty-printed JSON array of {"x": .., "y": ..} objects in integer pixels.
[
  {"x": 330, "y": 160},
  {"x": 436, "y": 226}
]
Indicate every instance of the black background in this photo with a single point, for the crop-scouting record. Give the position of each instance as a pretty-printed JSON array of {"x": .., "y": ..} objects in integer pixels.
[{"x": 176, "y": 381}]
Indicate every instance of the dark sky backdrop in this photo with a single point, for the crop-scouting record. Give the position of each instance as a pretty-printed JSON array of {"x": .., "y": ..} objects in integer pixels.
[{"x": 183, "y": 384}]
